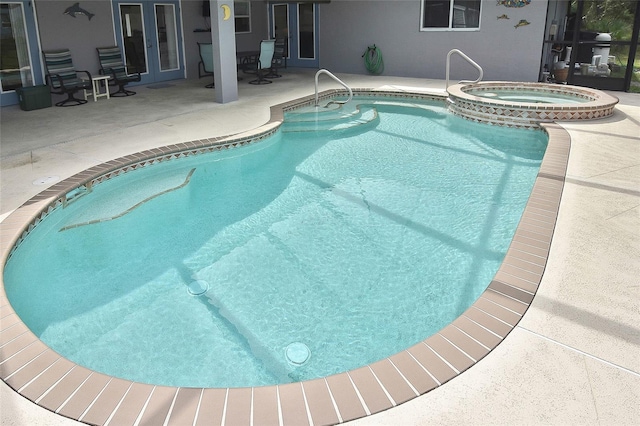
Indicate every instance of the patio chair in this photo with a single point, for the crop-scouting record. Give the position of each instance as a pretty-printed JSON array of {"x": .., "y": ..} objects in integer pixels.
[
  {"x": 263, "y": 66},
  {"x": 279, "y": 58},
  {"x": 111, "y": 64},
  {"x": 205, "y": 66},
  {"x": 63, "y": 78}
]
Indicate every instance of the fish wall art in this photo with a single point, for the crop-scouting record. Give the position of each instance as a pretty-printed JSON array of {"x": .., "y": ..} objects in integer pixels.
[
  {"x": 77, "y": 10},
  {"x": 513, "y": 3}
]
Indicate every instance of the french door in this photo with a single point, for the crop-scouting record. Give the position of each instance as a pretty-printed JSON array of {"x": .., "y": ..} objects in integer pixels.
[
  {"x": 298, "y": 23},
  {"x": 150, "y": 34},
  {"x": 20, "y": 64}
]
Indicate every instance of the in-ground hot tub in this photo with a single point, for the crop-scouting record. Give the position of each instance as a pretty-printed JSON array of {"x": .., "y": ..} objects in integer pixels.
[{"x": 518, "y": 104}]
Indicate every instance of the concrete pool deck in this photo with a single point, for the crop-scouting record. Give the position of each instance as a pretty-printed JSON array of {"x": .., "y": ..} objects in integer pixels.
[{"x": 571, "y": 359}]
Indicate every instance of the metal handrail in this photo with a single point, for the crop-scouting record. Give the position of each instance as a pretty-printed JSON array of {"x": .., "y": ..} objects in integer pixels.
[
  {"x": 468, "y": 59},
  {"x": 323, "y": 71}
]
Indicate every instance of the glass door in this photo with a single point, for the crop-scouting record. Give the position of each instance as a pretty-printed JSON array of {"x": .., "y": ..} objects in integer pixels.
[
  {"x": 19, "y": 54},
  {"x": 298, "y": 22},
  {"x": 150, "y": 34}
]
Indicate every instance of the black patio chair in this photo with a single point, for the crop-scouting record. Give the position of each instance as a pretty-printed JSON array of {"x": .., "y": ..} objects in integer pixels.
[
  {"x": 111, "y": 64},
  {"x": 63, "y": 78}
]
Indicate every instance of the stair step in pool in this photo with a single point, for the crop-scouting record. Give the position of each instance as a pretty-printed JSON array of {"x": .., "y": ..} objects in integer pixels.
[
  {"x": 313, "y": 114},
  {"x": 364, "y": 116}
]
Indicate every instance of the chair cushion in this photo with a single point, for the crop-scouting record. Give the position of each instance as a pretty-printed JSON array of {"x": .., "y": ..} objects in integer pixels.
[
  {"x": 111, "y": 62},
  {"x": 59, "y": 62},
  {"x": 206, "y": 56}
]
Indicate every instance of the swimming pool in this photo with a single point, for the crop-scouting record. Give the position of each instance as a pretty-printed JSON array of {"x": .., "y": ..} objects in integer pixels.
[
  {"x": 310, "y": 239},
  {"x": 70, "y": 196}
]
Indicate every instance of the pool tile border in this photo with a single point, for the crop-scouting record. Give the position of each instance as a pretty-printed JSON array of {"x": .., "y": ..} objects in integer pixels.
[
  {"x": 41, "y": 375},
  {"x": 523, "y": 114}
]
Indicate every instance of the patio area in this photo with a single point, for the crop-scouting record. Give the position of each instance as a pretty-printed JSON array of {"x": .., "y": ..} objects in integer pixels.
[{"x": 572, "y": 359}]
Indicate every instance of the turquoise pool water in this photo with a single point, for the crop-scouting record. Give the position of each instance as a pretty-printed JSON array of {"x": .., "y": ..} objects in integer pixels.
[
  {"x": 532, "y": 96},
  {"x": 355, "y": 243}
]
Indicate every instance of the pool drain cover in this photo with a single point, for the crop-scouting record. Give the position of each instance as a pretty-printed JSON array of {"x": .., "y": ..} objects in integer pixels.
[
  {"x": 297, "y": 353},
  {"x": 198, "y": 287}
]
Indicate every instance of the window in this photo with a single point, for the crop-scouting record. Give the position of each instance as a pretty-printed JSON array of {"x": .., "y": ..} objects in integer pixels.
[
  {"x": 450, "y": 15},
  {"x": 167, "y": 37},
  {"x": 15, "y": 66},
  {"x": 242, "y": 13}
]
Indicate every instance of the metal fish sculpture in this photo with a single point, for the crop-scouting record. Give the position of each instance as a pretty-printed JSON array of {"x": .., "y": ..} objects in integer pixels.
[
  {"x": 77, "y": 10},
  {"x": 522, "y": 23},
  {"x": 513, "y": 3},
  {"x": 504, "y": 16}
]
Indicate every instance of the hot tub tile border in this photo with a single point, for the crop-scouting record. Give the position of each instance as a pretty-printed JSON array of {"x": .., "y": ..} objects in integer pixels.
[
  {"x": 527, "y": 115},
  {"x": 59, "y": 385}
]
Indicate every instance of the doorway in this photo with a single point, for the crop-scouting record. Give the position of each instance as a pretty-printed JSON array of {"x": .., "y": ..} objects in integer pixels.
[
  {"x": 150, "y": 35},
  {"x": 298, "y": 24}
]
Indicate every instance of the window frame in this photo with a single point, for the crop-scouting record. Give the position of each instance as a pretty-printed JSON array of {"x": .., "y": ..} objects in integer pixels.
[
  {"x": 450, "y": 27},
  {"x": 242, "y": 17}
]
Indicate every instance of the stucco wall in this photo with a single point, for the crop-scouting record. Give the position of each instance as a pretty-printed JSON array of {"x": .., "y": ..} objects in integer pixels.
[
  {"x": 80, "y": 35},
  {"x": 347, "y": 27}
]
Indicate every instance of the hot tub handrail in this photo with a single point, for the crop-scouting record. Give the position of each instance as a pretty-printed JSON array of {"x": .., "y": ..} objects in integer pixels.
[
  {"x": 324, "y": 71},
  {"x": 468, "y": 59}
]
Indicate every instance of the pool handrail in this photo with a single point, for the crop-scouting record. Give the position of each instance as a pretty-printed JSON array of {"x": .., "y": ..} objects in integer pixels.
[
  {"x": 324, "y": 71},
  {"x": 468, "y": 59}
]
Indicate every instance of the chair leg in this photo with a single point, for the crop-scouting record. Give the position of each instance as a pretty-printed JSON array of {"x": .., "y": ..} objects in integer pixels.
[
  {"x": 273, "y": 73},
  {"x": 71, "y": 98},
  {"x": 121, "y": 92},
  {"x": 261, "y": 79},
  {"x": 211, "y": 86}
]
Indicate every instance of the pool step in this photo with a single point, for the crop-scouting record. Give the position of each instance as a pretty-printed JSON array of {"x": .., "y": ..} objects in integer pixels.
[
  {"x": 331, "y": 120},
  {"x": 321, "y": 113},
  {"x": 116, "y": 204}
]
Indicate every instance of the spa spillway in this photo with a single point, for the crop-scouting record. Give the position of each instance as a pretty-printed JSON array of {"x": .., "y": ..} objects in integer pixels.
[{"x": 525, "y": 105}]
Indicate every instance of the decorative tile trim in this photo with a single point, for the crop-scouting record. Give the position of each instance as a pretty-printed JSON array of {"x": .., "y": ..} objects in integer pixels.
[
  {"x": 66, "y": 191},
  {"x": 36, "y": 372},
  {"x": 464, "y": 103}
]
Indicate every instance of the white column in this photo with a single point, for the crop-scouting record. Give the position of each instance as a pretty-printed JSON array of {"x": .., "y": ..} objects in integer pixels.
[{"x": 223, "y": 39}]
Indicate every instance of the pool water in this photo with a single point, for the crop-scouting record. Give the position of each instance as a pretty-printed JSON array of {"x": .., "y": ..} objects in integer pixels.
[
  {"x": 531, "y": 96},
  {"x": 219, "y": 270}
]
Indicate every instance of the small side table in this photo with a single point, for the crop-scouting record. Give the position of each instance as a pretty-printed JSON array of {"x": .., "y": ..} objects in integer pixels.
[{"x": 95, "y": 82}]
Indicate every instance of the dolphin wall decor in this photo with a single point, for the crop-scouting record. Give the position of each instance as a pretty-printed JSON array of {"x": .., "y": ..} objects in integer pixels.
[{"x": 77, "y": 10}]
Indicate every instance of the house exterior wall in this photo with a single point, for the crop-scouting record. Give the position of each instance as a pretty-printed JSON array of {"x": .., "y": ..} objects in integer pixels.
[
  {"x": 346, "y": 28},
  {"x": 80, "y": 35},
  {"x": 504, "y": 52}
]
